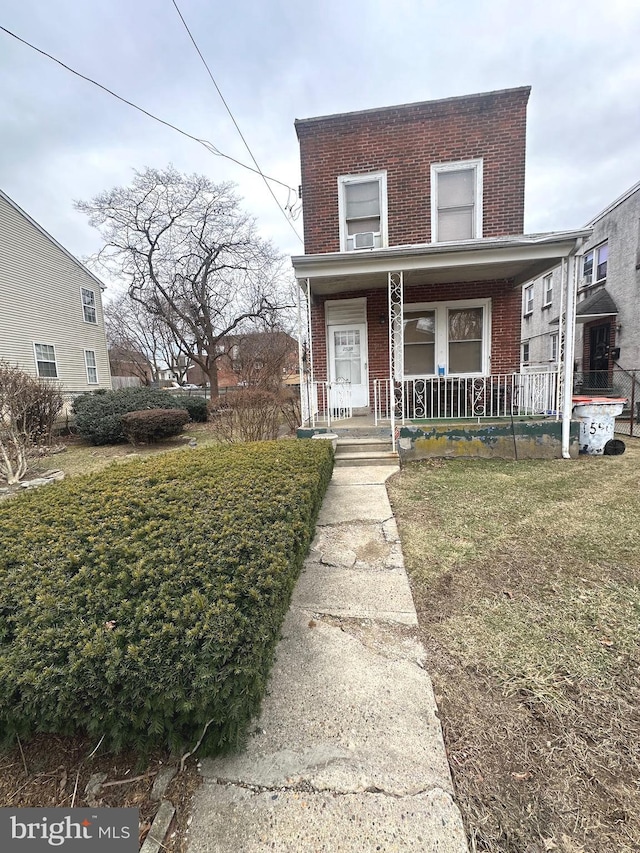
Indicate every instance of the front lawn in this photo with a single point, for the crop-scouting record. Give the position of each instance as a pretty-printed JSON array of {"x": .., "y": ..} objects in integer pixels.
[{"x": 526, "y": 578}]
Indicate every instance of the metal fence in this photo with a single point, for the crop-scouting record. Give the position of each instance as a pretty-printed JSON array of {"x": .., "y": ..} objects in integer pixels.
[{"x": 617, "y": 382}]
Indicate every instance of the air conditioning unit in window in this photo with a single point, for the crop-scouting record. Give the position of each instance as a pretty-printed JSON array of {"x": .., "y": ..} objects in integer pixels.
[{"x": 364, "y": 240}]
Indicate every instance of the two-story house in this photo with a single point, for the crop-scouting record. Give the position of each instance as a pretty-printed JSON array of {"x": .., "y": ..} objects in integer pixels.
[
  {"x": 51, "y": 322},
  {"x": 607, "y": 352},
  {"x": 415, "y": 257}
]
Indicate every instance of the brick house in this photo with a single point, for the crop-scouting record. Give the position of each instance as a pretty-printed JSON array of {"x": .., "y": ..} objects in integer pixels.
[{"x": 415, "y": 257}]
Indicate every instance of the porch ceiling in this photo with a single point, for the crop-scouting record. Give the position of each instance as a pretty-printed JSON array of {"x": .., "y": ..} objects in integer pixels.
[{"x": 519, "y": 258}]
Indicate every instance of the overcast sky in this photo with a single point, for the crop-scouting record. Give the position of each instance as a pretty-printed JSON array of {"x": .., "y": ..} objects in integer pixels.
[{"x": 62, "y": 139}]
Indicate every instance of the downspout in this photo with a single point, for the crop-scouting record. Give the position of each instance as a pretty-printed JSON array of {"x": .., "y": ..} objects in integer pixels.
[{"x": 569, "y": 350}]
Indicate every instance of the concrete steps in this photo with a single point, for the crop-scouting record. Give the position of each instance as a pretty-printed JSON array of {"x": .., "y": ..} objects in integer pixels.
[{"x": 352, "y": 452}]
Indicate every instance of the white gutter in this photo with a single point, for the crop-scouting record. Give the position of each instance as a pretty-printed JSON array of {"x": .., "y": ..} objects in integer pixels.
[{"x": 569, "y": 350}]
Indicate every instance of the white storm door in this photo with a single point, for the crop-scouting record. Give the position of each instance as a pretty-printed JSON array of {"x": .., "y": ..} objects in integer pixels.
[{"x": 348, "y": 360}]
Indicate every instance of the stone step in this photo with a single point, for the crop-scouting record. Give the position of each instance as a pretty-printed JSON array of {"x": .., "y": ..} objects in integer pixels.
[
  {"x": 347, "y": 460},
  {"x": 362, "y": 445}
]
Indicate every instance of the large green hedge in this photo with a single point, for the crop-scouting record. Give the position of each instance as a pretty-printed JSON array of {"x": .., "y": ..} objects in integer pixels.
[{"x": 145, "y": 601}]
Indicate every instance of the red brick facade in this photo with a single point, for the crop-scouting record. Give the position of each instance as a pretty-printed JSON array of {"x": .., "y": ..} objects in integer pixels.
[{"x": 405, "y": 141}]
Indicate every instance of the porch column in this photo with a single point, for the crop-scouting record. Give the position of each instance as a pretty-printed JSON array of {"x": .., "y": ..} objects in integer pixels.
[
  {"x": 569, "y": 352},
  {"x": 396, "y": 348},
  {"x": 305, "y": 354},
  {"x": 562, "y": 323}
]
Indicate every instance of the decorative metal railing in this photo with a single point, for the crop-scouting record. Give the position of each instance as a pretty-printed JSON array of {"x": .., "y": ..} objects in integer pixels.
[
  {"x": 499, "y": 395},
  {"x": 324, "y": 402}
]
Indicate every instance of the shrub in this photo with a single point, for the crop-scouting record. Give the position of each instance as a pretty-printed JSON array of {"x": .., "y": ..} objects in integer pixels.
[
  {"x": 249, "y": 414},
  {"x": 28, "y": 408},
  {"x": 153, "y": 424},
  {"x": 196, "y": 406},
  {"x": 98, "y": 416},
  {"x": 146, "y": 601}
]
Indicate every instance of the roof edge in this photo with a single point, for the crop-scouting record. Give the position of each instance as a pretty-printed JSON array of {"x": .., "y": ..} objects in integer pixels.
[
  {"x": 524, "y": 90},
  {"x": 614, "y": 204},
  {"x": 53, "y": 240}
]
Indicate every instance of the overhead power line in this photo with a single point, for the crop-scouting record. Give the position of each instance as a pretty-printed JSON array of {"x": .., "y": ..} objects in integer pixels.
[
  {"x": 211, "y": 148},
  {"x": 233, "y": 119}
]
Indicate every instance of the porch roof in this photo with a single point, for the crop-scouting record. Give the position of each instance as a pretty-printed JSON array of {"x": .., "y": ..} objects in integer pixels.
[{"x": 519, "y": 258}]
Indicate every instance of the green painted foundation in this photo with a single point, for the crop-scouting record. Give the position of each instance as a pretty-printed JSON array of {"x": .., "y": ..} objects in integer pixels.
[
  {"x": 309, "y": 432},
  {"x": 500, "y": 440}
]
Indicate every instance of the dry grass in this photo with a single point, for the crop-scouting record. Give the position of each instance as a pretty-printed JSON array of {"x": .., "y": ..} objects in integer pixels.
[{"x": 526, "y": 578}]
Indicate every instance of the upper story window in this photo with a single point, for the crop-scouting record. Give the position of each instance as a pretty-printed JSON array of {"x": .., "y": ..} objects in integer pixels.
[
  {"x": 527, "y": 300},
  {"x": 547, "y": 289},
  {"x": 595, "y": 260},
  {"x": 456, "y": 201},
  {"x": 89, "y": 305},
  {"x": 362, "y": 207},
  {"x": 46, "y": 361}
]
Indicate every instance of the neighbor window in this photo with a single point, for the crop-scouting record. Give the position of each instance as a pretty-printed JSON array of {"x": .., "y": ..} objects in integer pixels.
[
  {"x": 547, "y": 289},
  {"x": 92, "y": 367},
  {"x": 450, "y": 338},
  {"x": 362, "y": 203},
  {"x": 554, "y": 347},
  {"x": 528, "y": 300},
  {"x": 595, "y": 259},
  {"x": 456, "y": 201},
  {"x": 46, "y": 361},
  {"x": 526, "y": 354},
  {"x": 89, "y": 305}
]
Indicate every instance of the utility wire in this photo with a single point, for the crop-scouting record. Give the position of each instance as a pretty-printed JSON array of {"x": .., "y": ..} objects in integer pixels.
[
  {"x": 232, "y": 117},
  {"x": 211, "y": 148}
]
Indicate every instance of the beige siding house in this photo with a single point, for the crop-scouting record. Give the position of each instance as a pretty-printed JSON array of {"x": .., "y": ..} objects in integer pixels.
[{"x": 51, "y": 321}]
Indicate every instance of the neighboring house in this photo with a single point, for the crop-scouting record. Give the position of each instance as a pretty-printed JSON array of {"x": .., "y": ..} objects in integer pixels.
[
  {"x": 51, "y": 322},
  {"x": 608, "y": 307},
  {"x": 415, "y": 257},
  {"x": 129, "y": 364},
  {"x": 251, "y": 359}
]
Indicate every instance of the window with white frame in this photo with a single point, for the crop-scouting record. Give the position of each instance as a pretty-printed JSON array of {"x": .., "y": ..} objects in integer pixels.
[
  {"x": 526, "y": 352},
  {"x": 46, "y": 361},
  {"x": 456, "y": 201},
  {"x": 89, "y": 305},
  {"x": 92, "y": 367},
  {"x": 595, "y": 260},
  {"x": 527, "y": 300},
  {"x": 547, "y": 290},
  {"x": 553, "y": 349},
  {"x": 362, "y": 208},
  {"x": 451, "y": 337}
]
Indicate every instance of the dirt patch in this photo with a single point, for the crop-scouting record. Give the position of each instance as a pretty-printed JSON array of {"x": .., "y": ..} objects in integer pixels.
[
  {"x": 528, "y": 594},
  {"x": 53, "y": 771}
]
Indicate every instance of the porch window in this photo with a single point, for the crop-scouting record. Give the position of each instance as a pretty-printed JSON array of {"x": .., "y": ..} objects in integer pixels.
[
  {"x": 447, "y": 337},
  {"x": 362, "y": 203},
  {"x": 465, "y": 340},
  {"x": 456, "y": 201}
]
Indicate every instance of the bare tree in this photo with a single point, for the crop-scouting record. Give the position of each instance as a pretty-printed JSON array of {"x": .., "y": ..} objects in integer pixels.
[{"x": 191, "y": 257}]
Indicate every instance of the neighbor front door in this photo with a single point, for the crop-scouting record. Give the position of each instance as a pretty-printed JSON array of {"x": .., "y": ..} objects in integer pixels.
[{"x": 348, "y": 360}]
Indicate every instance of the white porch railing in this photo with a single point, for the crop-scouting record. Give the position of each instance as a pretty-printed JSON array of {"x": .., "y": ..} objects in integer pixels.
[
  {"x": 500, "y": 395},
  {"x": 324, "y": 402}
]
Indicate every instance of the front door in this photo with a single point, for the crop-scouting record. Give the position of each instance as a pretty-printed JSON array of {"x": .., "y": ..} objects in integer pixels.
[
  {"x": 599, "y": 356},
  {"x": 348, "y": 360}
]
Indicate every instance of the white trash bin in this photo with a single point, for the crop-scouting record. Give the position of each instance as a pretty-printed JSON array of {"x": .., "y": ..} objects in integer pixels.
[{"x": 597, "y": 416}]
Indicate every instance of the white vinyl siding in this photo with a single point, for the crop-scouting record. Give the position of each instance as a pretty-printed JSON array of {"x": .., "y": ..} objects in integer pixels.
[{"x": 41, "y": 302}]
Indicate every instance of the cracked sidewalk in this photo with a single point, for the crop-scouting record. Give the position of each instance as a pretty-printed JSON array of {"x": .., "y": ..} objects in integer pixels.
[{"x": 347, "y": 753}]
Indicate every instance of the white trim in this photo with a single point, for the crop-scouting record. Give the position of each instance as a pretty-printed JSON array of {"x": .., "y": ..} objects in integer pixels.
[
  {"x": 93, "y": 307},
  {"x": 344, "y": 180},
  {"x": 458, "y": 166},
  {"x": 93, "y": 366},
  {"x": 441, "y": 348},
  {"x": 35, "y": 358}
]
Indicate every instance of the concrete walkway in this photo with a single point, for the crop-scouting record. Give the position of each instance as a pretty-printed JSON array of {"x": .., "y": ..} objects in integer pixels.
[{"x": 348, "y": 752}]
